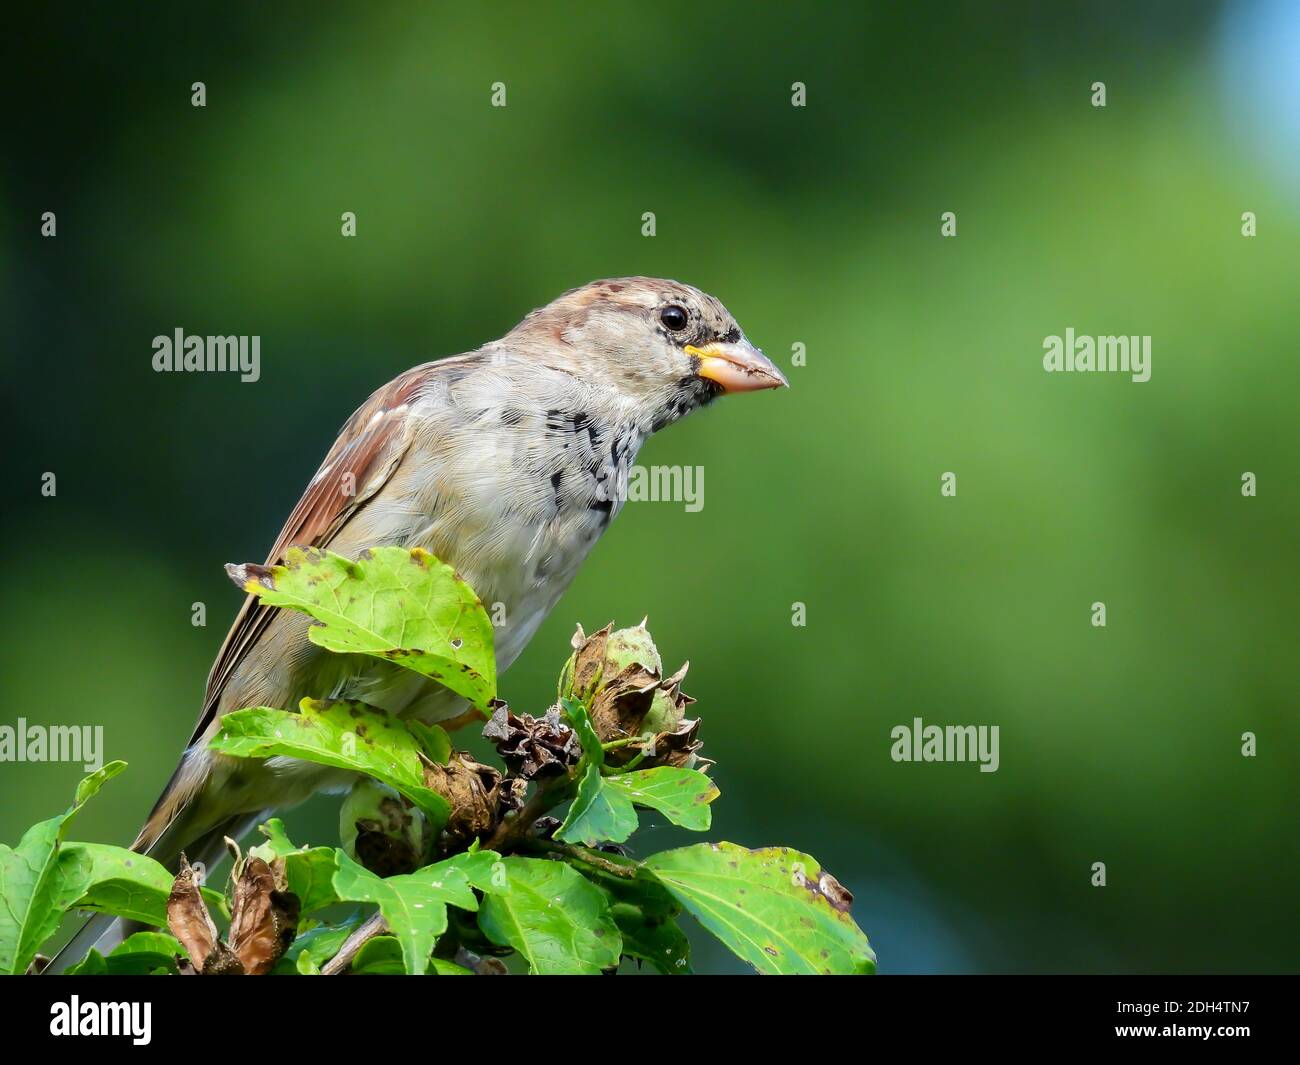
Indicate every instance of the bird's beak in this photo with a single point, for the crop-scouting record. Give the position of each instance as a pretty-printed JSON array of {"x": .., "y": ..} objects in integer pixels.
[{"x": 736, "y": 367}]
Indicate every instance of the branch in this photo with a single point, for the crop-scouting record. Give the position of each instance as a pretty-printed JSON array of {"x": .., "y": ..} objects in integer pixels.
[
  {"x": 510, "y": 832},
  {"x": 587, "y": 856},
  {"x": 375, "y": 925}
]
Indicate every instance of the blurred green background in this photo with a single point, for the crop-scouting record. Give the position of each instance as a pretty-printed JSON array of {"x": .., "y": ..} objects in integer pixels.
[{"x": 816, "y": 225}]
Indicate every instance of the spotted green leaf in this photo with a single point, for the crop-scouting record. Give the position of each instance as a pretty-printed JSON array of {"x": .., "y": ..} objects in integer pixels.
[
  {"x": 400, "y": 605},
  {"x": 681, "y": 795},
  {"x": 346, "y": 735},
  {"x": 775, "y": 908}
]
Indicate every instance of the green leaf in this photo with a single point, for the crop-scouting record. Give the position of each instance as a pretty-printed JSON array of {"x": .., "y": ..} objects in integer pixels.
[
  {"x": 415, "y": 904},
  {"x": 598, "y": 812},
  {"x": 448, "y": 968},
  {"x": 555, "y": 919},
  {"x": 774, "y": 908},
  {"x": 138, "y": 955},
  {"x": 90, "y": 785},
  {"x": 93, "y": 964},
  {"x": 108, "y": 879},
  {"x": 681, "y": 795},
  {"x": 645, "y": 913},
  {"x": 653, "y": 938},
  {"x": 34, "y": 887},
  {"x": 592, "y": 752},
  {"x": 482, "y": 869},
  {"x": 382, "y": 956},
  {"x": 277, "y": 845},
  {"x": 433, "y": 738},
  {"x": 415, "y": 910},
  {"x": 314, "y": 948},
  {"x": 393, "y": 603},
  {"x": 346, "y": 735},
  {"x": 309, "y": 870}
]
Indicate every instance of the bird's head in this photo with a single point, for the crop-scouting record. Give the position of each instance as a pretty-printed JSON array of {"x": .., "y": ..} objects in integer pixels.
[{"x": 662, "y": 347}]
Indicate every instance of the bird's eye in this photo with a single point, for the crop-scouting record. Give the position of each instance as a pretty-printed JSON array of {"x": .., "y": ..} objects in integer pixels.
[{"x": 674, "y": 317}]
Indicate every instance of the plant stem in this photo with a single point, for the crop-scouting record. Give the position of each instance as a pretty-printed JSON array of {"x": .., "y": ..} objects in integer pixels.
[
  {"x": 511, "y": 831},
  {"x": 588, "y": 857},
  {"x": 640, "y": 756},
  {"x": 375, "y": 925}
]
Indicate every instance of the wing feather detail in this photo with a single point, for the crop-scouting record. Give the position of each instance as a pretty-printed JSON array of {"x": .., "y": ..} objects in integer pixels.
[{"x": 369, "y": 448}]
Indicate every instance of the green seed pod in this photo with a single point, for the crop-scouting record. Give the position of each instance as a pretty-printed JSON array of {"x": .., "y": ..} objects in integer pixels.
[
  {"x": 632, "y": 647},
  {"x": 583, "y": 671},
  {"x": 599, "y": 658},
  {"x": 619, "y": 676},
  {"x": 665, "y": 714},
  {"x": 379, "y": 829},
  {"x": 672, "y": 735}
]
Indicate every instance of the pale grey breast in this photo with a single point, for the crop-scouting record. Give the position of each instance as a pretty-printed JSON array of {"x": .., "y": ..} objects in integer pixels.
[{"x": 511, "y": 477}]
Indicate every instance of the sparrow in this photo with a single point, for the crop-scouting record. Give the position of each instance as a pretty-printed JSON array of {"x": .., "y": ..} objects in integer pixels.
[{"x": 508, "y": 463}]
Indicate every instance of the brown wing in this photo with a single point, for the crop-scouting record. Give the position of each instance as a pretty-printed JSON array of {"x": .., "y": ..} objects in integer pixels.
[{"x": 368, "y": 449}]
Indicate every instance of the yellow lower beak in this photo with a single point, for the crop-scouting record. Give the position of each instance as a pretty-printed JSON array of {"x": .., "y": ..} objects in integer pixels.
[{"x": 736, "y": 367}]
